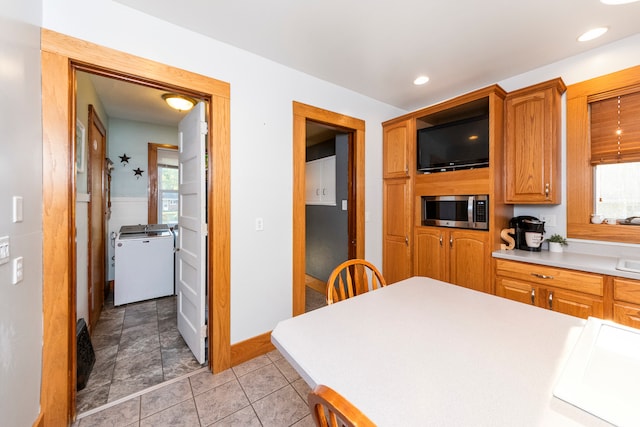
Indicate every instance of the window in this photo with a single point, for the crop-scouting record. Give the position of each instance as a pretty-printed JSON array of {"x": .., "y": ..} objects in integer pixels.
[
  {"x": 168, "y": 194},
  {"x": 603, "y": 155}
]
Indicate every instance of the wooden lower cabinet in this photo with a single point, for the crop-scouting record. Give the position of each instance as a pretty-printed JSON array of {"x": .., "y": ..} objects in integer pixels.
[
  {"x": 565, "y": 291},
  {"x": 396, "y": 230},
  {"x": 461, "y": 257},
  {"x": 626, "y": 302}
]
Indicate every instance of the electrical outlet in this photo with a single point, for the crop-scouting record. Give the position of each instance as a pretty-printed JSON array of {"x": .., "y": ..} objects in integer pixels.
[
  {"x": 259, "y": 224},
  {"x": 17, "y": 270},
  {"x": 549, "y": 220}
]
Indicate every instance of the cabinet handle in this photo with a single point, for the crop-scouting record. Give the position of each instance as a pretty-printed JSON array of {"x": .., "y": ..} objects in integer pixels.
[
  {"x": 324, "y": 191},
  {"x": 441, "y": 240},
  {"x": 551, "y": 300},
  {"x": 317, "y": 191},
  {"x": 541, "y": 276},
  {"x": 546, "y": 190},
  {"x": 406, "y": 169},
  {"x": 533, "y": 297},
  {"x": 451, "y": 241},
  {"x": 406, "y": 240}
]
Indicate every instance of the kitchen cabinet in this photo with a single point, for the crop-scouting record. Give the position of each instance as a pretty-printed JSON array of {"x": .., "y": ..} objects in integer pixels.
[
  {"x": 566, "y": 291},
  {"x": 532, "y": 144},
  {"x": 457, "y": 256},
  {"x": 397, "y": 149},
  {"x": 320, "y": 181},
  {"x": 397, "y": 216},
  {"x": 626, "y": 302},
  {"x": 396, "y": 230}
]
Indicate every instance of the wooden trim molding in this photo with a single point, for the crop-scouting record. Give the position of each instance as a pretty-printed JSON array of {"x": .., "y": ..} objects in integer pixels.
[
  {"x": 152, "y": 167},
  {"x": 61, "y": 56},
  {"x": 302, "y": 113},
  {"x": 253, "y": 347},
  {"x": 579, "y": 173}
]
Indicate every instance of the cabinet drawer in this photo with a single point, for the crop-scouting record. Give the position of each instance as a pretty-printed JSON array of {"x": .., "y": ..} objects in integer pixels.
[
  {"x": 626, "y": 315},
  {"x": 552, "y": 276},
  {"x": 626, "y": 290}
]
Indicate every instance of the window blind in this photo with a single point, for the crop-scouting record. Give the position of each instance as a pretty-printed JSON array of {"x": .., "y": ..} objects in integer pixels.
[{"x": 615, "y": 129}]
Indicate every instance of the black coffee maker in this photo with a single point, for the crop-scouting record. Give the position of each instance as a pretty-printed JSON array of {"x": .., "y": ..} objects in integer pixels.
[{"x": 528, "y": 232}]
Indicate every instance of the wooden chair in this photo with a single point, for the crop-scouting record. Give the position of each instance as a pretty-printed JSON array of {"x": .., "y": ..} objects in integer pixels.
[
  {"x": 330, "y": 409},
  {"x": 351, "y": 278}
]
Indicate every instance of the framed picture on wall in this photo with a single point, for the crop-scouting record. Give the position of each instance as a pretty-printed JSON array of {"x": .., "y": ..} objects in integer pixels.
[{"x": 80, "y": 144}]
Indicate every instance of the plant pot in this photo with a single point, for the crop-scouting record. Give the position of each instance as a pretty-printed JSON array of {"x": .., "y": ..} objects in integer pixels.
[{"x": 555, "y": 247}]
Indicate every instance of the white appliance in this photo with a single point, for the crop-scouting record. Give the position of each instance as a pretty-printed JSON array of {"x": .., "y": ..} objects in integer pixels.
[{"x": 143, "y": 263}]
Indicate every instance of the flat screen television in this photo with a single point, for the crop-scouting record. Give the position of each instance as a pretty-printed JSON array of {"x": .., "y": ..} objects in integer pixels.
[{"x": 463, "y": 144}]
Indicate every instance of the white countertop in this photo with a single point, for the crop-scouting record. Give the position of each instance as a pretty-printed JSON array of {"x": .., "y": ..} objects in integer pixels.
[
  {"x": 600, "y": 264},
  {"x": 424, "y": 352}
]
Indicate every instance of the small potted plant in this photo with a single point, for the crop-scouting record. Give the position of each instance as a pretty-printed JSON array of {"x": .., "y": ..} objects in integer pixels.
[{"x": 556, "y": 242}]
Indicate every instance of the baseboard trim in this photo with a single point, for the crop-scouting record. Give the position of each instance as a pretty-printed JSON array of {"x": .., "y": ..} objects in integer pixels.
[
  {"x": 39, "y": 422},
  {"x": 253, "y": 347}
]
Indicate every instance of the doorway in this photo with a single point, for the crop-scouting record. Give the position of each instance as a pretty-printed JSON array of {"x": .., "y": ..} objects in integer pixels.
[
  {"x": 60, "y": 54},
  {"x": 303, "y": 115}
]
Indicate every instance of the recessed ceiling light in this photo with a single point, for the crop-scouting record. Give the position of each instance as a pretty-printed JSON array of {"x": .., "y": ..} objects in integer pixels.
[
  {"x": 421, "y": 80},
  {"x": 617, "y": 1},
  {"x": 592, "y": 34}
]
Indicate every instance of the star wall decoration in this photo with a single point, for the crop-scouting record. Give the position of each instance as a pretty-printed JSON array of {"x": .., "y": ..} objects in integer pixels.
[
  {"x": 124, "y": 159},
  {"x": 137, "y": 172}
]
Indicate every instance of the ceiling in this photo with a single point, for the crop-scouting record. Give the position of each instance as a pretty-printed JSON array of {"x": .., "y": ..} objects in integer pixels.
[{"x": 377, "y": 48}]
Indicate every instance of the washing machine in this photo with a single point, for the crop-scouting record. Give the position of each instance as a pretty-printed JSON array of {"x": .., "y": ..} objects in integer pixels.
[{"x": 143, "y": 263}]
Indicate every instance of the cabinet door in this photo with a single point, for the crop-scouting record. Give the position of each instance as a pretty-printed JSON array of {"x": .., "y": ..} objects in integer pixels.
[
  {"x": 627, "y": 314},
  {"x": 398, "y": 139},
  {"x": 470, "y": 259},
  {"x": 396, "y": 227},
  {"x": 573, "y": 304},
  {"x": 328, "y": 188},
  {"x": 313, "y": 181},
  {"x": 532, "y": 149},
  {"x": 320, "y": 181},
  {"x": 431, "y": 248},
  {"x": 516, "y": 290}
]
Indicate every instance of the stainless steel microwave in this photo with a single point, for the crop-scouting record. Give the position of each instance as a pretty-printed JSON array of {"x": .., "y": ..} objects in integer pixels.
[{"x": 468, "y": 211}]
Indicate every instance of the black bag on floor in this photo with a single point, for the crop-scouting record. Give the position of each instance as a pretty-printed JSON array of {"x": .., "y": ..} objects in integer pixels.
[{"x": 85, "y": 357}]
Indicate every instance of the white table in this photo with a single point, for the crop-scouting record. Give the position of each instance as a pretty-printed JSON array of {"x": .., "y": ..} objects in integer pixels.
[{"x": 426, "y": 353}]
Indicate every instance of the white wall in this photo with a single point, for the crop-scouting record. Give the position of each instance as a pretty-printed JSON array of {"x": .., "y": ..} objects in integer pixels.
[
  {"x": 607, "y": 59},
  {"x": 261, "y": 144},
  {"x": 21, "y": 175}
]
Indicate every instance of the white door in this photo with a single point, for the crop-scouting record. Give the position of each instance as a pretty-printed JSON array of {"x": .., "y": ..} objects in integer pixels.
[{"x": 191, "y": 260}]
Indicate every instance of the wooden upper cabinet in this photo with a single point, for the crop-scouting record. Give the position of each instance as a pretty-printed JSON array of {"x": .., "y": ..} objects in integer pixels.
[
  {"x": 398, "y": 142},
  {"x": 532, "y": 144}
]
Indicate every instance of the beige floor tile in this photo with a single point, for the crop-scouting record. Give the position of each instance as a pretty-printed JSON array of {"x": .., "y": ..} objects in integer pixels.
[
  {"x": 261, "y": 382},
  {"x": 220, "y": 402},
  {"x": 245, "y": 417},
  {"x": 251, "y": 365},
  {"x": 287, "y": 370},
  {"x": 205, "y": 381},
  {"x": 281, "y": 408},
  {"x": 122, "y": 414},
  {"x": 182, "y": 414},
  {"x": 165, "y": 397}
]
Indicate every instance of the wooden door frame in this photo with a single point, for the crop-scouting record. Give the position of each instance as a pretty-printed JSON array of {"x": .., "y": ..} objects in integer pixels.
[
  {"x": 152, "y": 166},
  {"x": 60, "y": 56},
  {"x": 356, "y": 127},
  {"x": 94, "y": 119}
]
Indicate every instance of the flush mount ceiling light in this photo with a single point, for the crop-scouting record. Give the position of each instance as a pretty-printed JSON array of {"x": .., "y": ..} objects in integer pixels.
[
  {"x": 179, "y": 102},
  {"x": 592, "y": 34},
  {"x": 614, "y": 2},
  {"x": 421, "y": 80}
]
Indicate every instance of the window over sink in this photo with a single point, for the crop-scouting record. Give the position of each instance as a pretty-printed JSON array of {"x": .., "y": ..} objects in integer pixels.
[{"x": 596, "y": 151}]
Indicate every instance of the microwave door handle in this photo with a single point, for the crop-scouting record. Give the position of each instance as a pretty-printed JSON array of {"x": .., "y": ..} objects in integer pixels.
[{"x": 470, "y": 207}]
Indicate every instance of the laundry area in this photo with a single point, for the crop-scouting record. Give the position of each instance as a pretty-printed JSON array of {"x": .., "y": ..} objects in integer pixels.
[{"x": 144, "y": 263}]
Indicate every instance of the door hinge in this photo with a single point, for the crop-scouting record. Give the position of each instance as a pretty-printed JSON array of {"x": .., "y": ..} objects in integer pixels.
[
  {"x": 204, "y": 128},
  {"x": 203, "y": 331}
]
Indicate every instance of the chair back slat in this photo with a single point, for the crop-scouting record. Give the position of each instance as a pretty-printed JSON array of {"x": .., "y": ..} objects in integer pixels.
[
  {"x": 356, "y": 280},
  {"x": 331, "y": 409}
]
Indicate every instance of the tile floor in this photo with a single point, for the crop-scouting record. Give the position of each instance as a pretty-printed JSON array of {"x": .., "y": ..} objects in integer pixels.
[
  {"x": 264, "y": 391},
  {"x": 137, "y": 346}
]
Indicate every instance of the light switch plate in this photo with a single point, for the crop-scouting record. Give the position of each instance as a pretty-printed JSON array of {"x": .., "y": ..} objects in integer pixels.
[
  {"x": 4, "y": 250},
  {"x": 17, "y": 209},
  {"x": 17, "y": 270}
]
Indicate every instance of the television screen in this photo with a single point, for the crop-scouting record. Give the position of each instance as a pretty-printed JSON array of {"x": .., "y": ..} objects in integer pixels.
[{"x": 462, "y": 144}]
